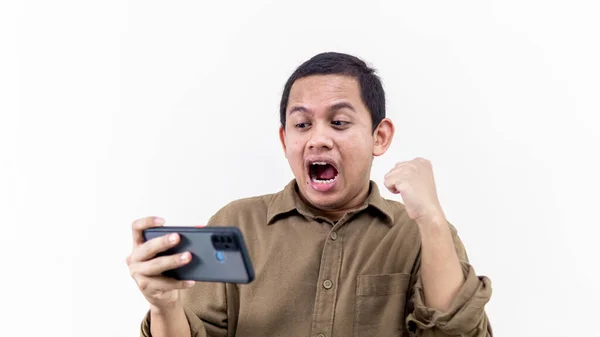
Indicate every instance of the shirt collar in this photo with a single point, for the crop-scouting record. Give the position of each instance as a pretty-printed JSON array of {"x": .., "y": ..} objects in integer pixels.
[{"x": 288, "y": 200}]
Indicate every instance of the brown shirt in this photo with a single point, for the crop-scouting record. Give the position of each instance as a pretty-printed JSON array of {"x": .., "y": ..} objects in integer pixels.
[{"x": 314, "y": 277}]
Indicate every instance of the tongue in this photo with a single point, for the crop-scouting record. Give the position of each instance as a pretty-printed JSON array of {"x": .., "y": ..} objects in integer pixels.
[{"x": 325, "y": 172}]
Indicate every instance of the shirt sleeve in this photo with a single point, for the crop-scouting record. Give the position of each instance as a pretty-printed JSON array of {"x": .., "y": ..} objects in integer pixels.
[
  {"x": 206, "y": 310},
  {"x": 466, "y": 316}
]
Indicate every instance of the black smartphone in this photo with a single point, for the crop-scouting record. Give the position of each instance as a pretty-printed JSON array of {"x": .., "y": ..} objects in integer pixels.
[{"x": 219, "y": 254}]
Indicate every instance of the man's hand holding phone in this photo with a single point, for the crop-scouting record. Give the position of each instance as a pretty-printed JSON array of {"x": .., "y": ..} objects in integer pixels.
[{"x": 146, "y": 268}]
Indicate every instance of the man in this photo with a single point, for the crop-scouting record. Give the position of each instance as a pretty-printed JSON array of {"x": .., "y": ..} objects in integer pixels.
[{"x": 331, "y": 256}]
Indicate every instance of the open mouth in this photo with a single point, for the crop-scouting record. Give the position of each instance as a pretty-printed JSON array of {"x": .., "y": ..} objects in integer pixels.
[{"x": 322, "y": 173}]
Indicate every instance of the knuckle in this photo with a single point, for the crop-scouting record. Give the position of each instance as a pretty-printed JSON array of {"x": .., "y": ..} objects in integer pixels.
[
  {"x": 143, "y": 285},
  {"x": 142, "y": 223},
  {"x": 147, "y": 249},
  {"x": 133, "y": 273},
  {"x": 141, "y": 252},
  {"x": 137, "y": 223}
]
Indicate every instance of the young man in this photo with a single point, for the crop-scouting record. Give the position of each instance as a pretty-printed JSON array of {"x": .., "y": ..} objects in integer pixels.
[{"x": 331, "y": 256}]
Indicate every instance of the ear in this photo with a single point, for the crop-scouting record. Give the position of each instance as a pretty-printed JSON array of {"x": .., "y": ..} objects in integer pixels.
[
  {"x": 282, "y": 139},
  {"x": 382, "y": 137}
]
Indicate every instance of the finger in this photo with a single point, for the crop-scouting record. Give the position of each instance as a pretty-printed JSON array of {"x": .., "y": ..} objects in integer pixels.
[
  {"x": 150, "y": 248},
  {"x": 403, "y": 173},
  {"x": 392, "y": 173},
  {"x": 152, "y": 285},
  {"x": 423, "y": 161},
  {"x": 401, "y": 163},
  {"x": 138, "y": 226},
  {"x": 389, "y": 183},
  {"x": 157, "y": 266}
]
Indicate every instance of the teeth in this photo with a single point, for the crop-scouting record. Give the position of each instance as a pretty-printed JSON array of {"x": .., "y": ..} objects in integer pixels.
[
  {"x": 328, "y": 181},
  {"x": 319, "y": 163}
]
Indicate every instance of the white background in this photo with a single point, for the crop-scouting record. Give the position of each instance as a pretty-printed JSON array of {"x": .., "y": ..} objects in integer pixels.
[{"x": 114, "y": 110}]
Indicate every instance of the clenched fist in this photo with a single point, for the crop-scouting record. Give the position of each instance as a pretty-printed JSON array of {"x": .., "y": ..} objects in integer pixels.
[{"x": 413, "y": 180}]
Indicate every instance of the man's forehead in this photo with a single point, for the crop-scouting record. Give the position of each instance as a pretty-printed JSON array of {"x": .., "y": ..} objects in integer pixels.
[{"x": 324, "y": 87}]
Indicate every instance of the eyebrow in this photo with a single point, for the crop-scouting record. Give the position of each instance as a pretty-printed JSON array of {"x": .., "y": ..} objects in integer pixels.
[
  {"x": 335, "y": 107},
  {"x": 298, "y": 108},
  {"x": 342, "y": 105}
]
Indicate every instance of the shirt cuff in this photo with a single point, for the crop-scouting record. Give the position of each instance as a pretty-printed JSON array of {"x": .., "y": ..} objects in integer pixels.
[
  {"x": 466, "y": 312},
  {"x": 196, "y": 324}
]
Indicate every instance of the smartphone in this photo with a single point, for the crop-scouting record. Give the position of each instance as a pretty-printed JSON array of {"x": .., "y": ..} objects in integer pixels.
[{"x": 219, "y": 254}]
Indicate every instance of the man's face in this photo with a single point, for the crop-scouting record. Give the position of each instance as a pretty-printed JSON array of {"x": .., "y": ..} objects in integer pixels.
[{"x": 328, "y": 140}]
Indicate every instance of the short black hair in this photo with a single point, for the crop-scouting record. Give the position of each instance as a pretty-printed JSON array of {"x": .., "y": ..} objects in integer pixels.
[{"x": 332, "y": 63}]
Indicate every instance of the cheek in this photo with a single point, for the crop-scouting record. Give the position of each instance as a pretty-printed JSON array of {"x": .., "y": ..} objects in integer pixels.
[
  {"x": 358, "y": 145},
  {"x": 357, "y": 151},
  {"x": 295, "y": 148},
  {"x": 294, "y": 152}
]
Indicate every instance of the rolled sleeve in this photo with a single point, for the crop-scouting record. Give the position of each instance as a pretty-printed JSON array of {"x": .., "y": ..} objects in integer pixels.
[{"x": 466, "y": 316}]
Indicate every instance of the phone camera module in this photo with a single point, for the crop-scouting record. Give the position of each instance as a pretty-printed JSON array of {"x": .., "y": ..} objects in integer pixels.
[{"x": 224, "y": 242}]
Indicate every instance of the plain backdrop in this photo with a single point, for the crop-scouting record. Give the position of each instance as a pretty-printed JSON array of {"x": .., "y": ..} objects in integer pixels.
[{"x": 116, "y": 110}]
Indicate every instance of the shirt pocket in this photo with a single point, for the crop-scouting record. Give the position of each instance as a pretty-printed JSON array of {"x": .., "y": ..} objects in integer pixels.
[{"x": 380, "y": 302}]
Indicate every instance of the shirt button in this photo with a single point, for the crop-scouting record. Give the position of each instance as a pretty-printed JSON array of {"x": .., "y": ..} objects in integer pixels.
[
  {"x": 327, "y": 284},
  {"x": 333, "y": 236}
]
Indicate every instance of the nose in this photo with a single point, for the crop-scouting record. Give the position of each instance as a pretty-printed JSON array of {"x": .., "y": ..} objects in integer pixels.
[{"x": 320, "y": 139}]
